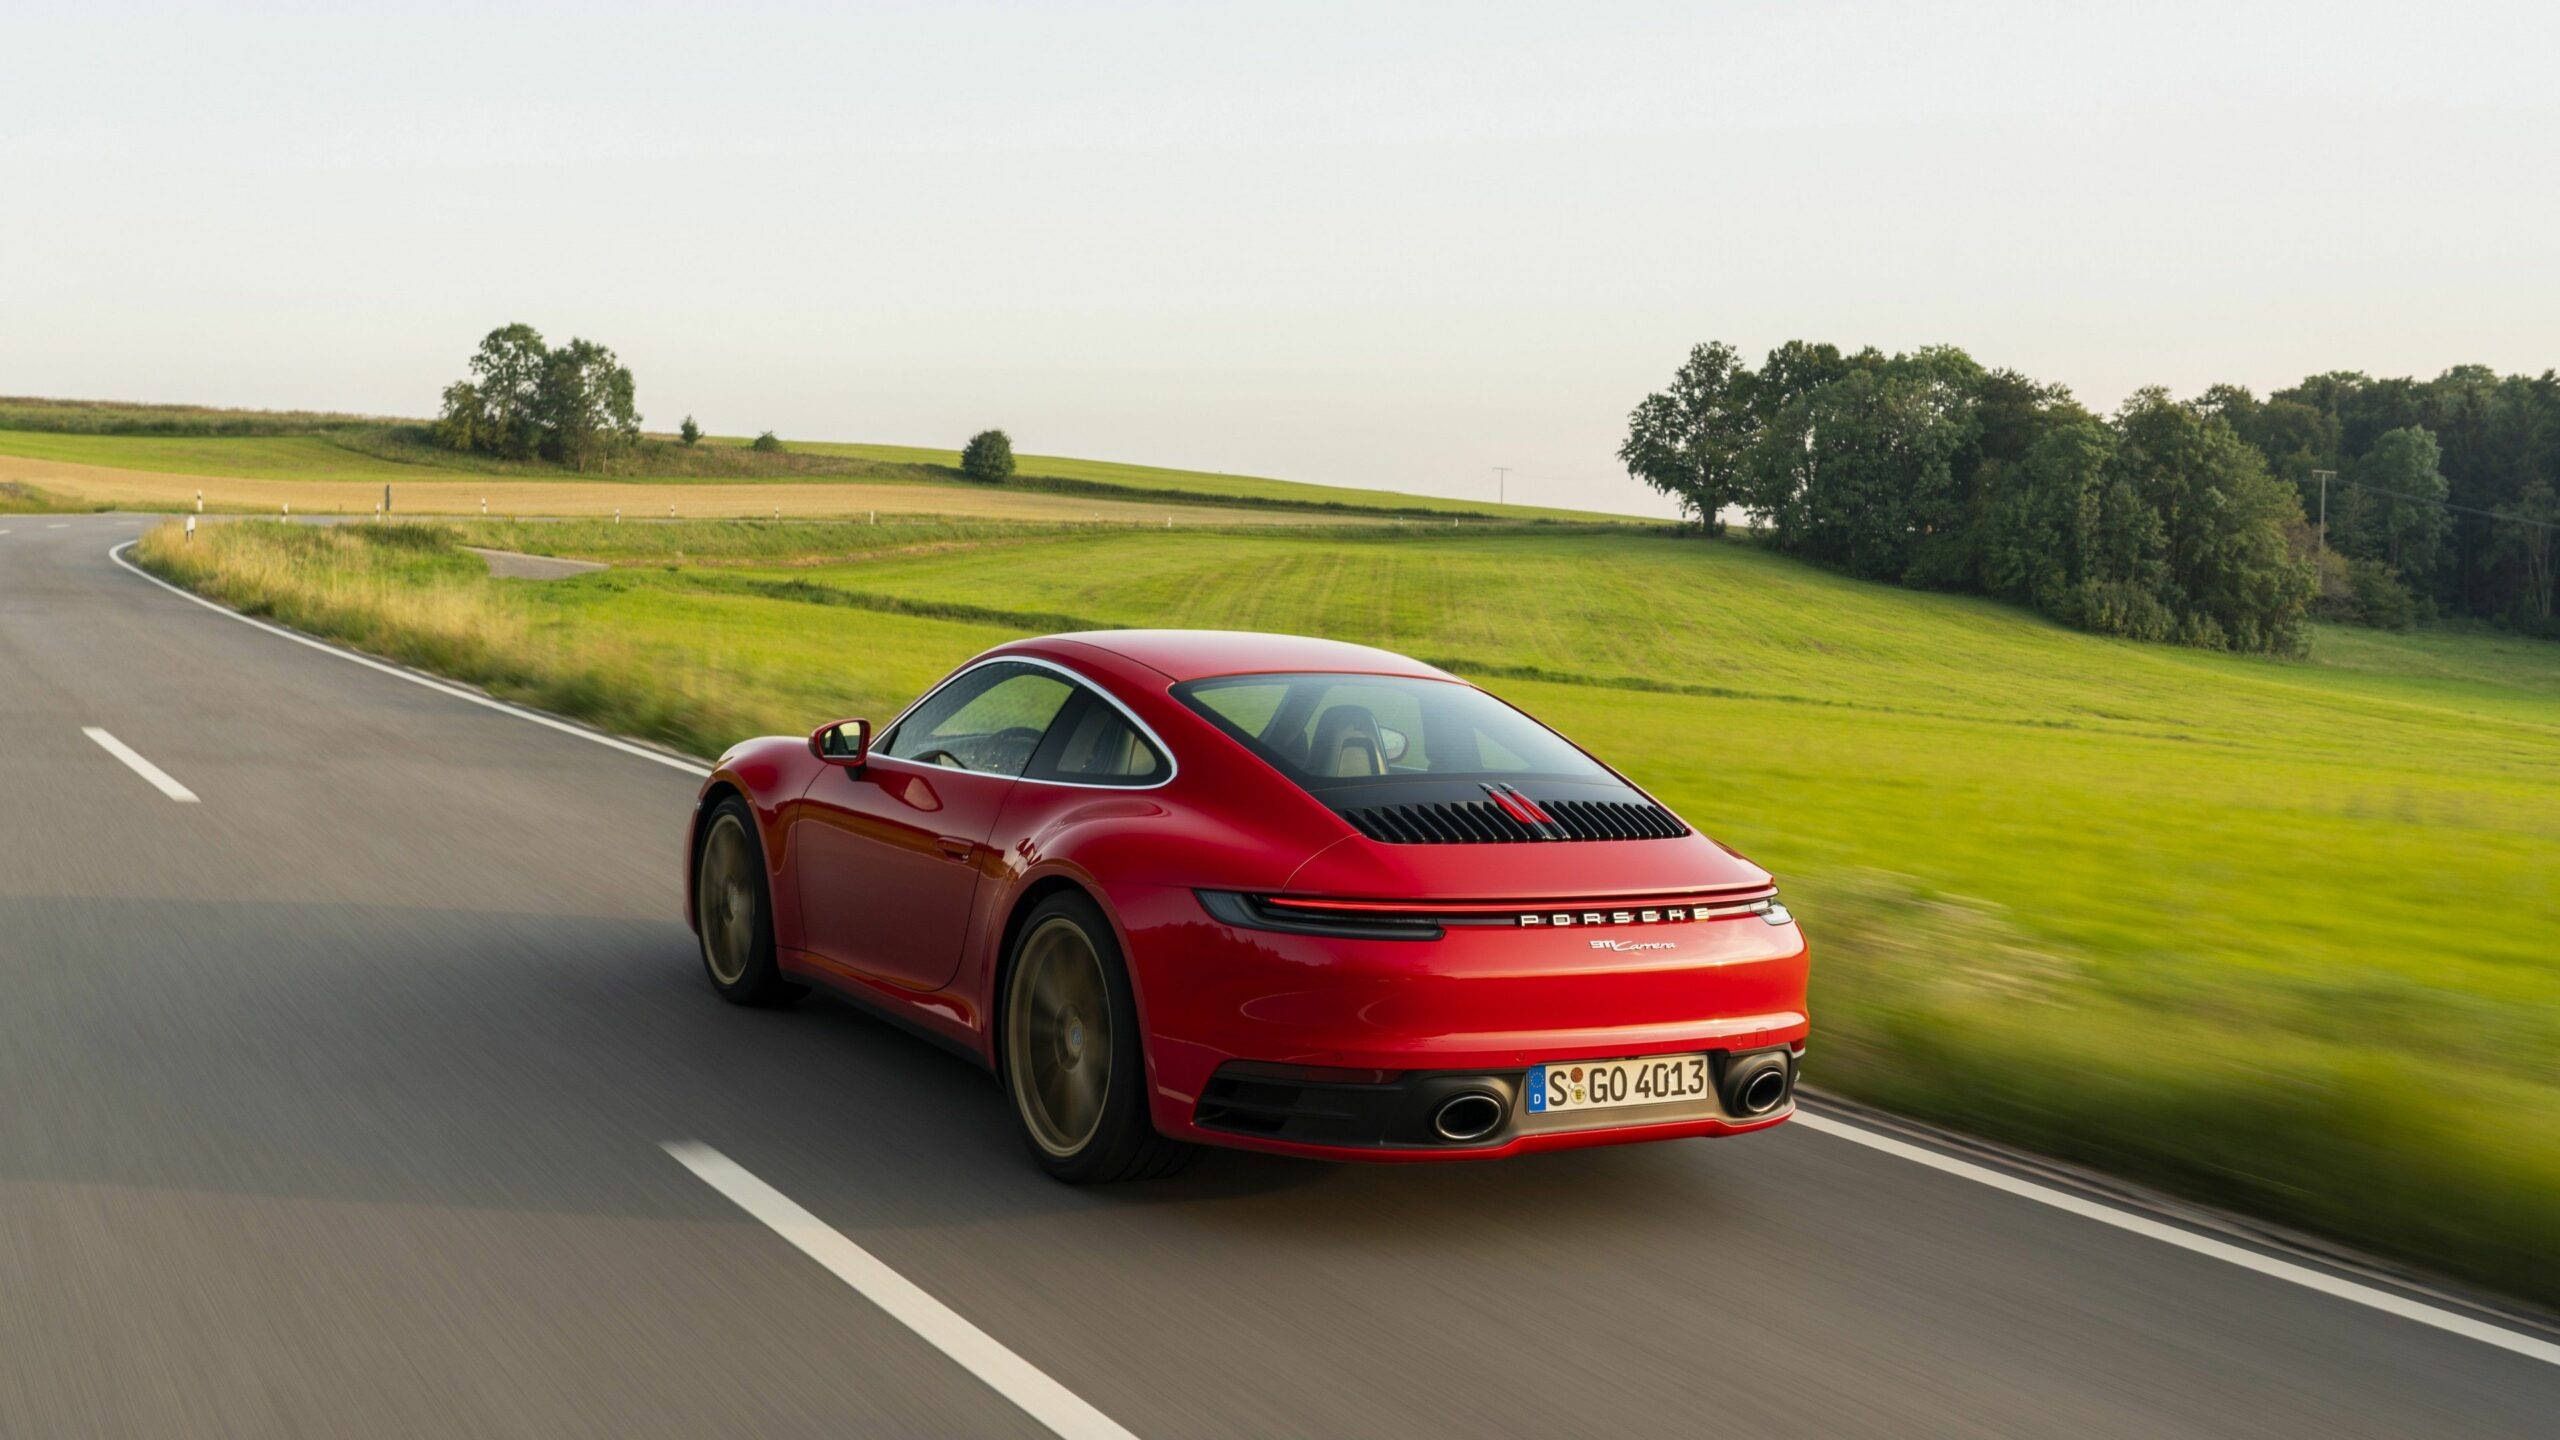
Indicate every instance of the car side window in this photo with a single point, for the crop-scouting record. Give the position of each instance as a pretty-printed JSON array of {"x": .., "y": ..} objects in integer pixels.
[
  {"x": 988, "y": 721},
  {"x": 1094, "y": 744}
]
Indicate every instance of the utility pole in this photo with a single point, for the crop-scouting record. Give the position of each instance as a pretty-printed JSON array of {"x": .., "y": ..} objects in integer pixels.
[
  {"x": 2324, "y": 477},
  {"x": 1501, "y": 483}
]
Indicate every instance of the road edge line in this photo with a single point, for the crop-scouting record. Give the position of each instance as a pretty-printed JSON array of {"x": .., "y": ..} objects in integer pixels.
[
  {"x": 690, "y": 767},
  {"x": 2247, "y": 1259},
  {"x": 945, "y": 1329}
]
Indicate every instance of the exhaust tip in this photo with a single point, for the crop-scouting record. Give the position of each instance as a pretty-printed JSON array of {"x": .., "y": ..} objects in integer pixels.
[
  {"x": 1471, "y": 1116},
  {"x": 1765, "y": 1092},
  {"x": 1756, "y": 1085}
]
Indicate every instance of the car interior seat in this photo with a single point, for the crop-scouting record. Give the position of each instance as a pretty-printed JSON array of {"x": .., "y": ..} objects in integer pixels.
[{"x": 1346, "y": 743}]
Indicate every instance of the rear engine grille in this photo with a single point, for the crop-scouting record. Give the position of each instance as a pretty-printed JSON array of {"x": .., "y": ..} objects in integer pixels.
[{"x": 1483, "y": 823}]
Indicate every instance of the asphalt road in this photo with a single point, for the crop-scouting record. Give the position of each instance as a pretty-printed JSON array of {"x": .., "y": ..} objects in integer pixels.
[{"x": 332, "y": 1103}]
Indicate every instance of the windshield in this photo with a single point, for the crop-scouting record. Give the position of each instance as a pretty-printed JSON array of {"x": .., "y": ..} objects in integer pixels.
[{"x": 1328, "y": 730}]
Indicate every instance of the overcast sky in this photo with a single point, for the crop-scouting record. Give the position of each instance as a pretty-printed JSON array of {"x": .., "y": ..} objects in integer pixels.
[{"x": 1391, "y": 245}]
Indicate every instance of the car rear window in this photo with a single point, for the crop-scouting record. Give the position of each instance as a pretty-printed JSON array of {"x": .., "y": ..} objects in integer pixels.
[{"x": 1325, "y": 730}]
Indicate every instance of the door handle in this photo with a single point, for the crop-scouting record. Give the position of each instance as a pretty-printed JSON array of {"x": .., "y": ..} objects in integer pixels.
[{"x": 958, "y": 847}]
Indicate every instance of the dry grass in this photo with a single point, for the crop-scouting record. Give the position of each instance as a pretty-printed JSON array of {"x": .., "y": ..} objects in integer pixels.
[{"x": 405, "y": 593}]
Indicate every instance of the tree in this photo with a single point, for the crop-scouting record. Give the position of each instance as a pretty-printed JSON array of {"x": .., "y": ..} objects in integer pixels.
[
  {"x": 988, "y": 457},
  {"x": 508, "y": 370},
  {"x": 463, "y": 423},
  {"x": 584, "y": 405},
  {"x": 2397, "y": 509},
  {"x": 1857, "y": 469},
  {"x": 573, "y": 405},
  {"x": 2031, "y": 538},
  {"x": 768, "y": 442},
  {"x": 689, "y": 432},
  {"x": 1689, "y": 441},
  {"x": 2229, "y": 574},
  {"x": 2530, "y": 540}
]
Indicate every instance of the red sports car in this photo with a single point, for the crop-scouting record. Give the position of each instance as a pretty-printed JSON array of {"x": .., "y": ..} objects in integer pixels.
[{"x": 1180, "y": 887}]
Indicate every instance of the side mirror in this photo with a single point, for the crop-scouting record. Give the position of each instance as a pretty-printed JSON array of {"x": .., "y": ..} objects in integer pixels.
[
  {"x": 842, "y": 742},
  {"x": 1391, "y": 745}
]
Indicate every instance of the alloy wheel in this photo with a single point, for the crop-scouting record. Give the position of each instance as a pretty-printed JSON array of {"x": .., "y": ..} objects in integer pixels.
[
  {"x": 726, "y": 901},
  {"x": 1058, "y": 1036}
]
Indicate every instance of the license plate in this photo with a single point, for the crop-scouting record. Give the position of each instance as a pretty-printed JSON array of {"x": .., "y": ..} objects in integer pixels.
[{"x": 1602, "y": 1084}]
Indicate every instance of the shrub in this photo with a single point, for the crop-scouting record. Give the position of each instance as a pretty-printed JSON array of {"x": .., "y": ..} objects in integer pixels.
[
  {"x": 2113, "y": 607},
  {"x": 2381, "y": 600},
  {"x": 408, "y": 535},
  {"x": 689, "y": 432},
  {"x": 768, "y": 442},
  {"x": 2333, "y": 595},
  {"x": 988, "y": 457}
]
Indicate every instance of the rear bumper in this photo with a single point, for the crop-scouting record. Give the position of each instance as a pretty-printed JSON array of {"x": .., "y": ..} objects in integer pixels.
[
  {"x": 1522, "y": 1145},
  {"x": 1473, "y": 1008},
  {"x": 1266, "y": 1107}
]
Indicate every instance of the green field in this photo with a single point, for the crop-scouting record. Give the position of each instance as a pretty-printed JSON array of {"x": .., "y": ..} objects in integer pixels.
[
  {"x": 2274, "y": 934},
  {"x": 257, "y": 445}
]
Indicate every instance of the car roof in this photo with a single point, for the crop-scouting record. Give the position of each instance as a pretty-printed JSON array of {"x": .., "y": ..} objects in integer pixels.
[{"x": 1196, "y": 654}]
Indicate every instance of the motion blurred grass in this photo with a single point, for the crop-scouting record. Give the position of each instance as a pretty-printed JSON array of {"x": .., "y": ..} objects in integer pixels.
[{"x": 2273, "y": 934}]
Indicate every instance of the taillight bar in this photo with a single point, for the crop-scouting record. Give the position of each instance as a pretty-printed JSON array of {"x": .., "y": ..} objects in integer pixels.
[
  {"x": 1733, "y": 901},
  {"x": 1424, "y": 920}
]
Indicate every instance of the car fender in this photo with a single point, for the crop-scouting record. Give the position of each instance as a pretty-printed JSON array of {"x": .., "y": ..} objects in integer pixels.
[{"x": 771, "y": 773}]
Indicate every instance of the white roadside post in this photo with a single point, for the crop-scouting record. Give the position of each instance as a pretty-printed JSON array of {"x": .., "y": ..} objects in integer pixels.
[
  {"x": 484, "y": 505},
  {"x": 617, "y": 515},
  {"x": 191, "y": 528},
  {"x": 288, "y": 509},
  {"x": 199, "y": 502}
]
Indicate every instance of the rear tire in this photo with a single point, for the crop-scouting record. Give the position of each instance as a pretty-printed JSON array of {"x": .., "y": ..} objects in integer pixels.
[
  {"x": 1072, "y": 1063},
  {"x": 733, "y": 910}
]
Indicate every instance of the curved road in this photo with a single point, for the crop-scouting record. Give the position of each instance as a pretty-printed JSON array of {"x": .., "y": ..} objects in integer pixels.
[{"x": 333, "y": 1102}]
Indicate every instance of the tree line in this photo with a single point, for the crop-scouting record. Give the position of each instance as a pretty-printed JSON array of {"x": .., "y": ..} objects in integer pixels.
[{"x": 2169, "y": 520}]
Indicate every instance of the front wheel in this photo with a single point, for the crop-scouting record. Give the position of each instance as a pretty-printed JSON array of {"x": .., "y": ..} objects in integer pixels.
[
  {"x": 1072, "y": 1062},
  {"x": 733, "y": 910}
]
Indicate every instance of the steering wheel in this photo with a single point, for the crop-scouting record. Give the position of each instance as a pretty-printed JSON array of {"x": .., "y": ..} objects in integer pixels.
[{"x": 1022, "y": 739}]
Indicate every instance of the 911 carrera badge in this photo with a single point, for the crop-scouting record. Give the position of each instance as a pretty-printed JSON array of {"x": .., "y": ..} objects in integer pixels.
[{"x": 1622, "y": 946}]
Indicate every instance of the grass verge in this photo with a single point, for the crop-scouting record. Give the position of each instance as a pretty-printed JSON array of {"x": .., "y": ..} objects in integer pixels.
[{"x": 20, "y": 498}]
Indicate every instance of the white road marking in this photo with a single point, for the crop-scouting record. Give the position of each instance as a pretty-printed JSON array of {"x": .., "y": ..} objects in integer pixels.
[
  {"x": 62, "y": 525},
  {"x": 133, "y": 761},
  {"x": 2247, "y": 1259},
  {"x": 1008, "y": 1374},
  {"x": 564, "y": 727}
]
